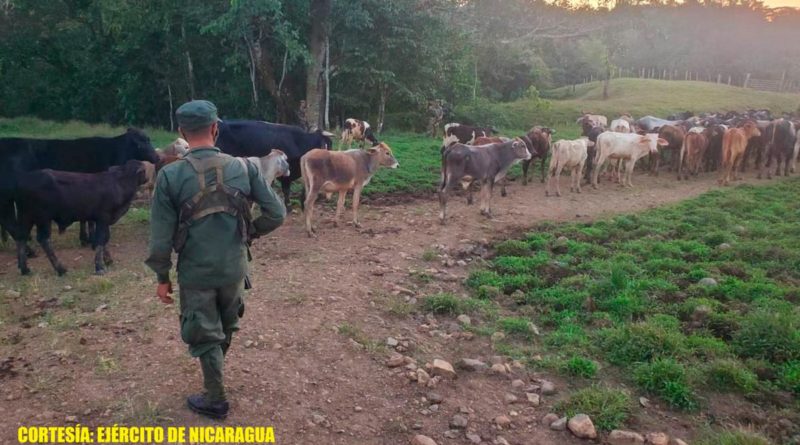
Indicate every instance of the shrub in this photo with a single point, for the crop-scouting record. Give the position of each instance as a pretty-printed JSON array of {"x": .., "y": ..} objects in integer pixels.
[
  {"x": 667, "y": 379},
  {"x": 442, "y": 304},
  {"x": 580, "y": 366},
  {"x": 641, "y": 342},
  {"x": 484, "y": 278},
  {"x": 730, "y": 375},
  {"x": 608, "y": 408},
  {"x": 768, "y": 335},
  {"x": 516, "y": 326},
  {"x": 707, "y": 347},
  {"x": 567, "y": 334},
  {"x": 790, "y": 377},
  {"x": 513, "y": 248}
]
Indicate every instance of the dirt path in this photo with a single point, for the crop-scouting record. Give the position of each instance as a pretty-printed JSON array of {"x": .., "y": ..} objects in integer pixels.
[{"x": 293, "y": 365}]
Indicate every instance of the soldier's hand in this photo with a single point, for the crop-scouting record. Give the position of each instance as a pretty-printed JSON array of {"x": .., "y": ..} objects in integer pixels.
[{"x": 164, "y": 291}]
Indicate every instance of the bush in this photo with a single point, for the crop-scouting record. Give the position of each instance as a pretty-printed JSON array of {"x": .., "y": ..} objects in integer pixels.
[
  {"x": 641, "y": 342},
  {"x": 790, "y": 377},
  {"x": 730, "y": 375},
  {"x": 608, "y": 408},
  {"x": 707, "y": 347},
  {"x": 666, "y": 378},
  {"x": 513, "y": 248},
  {"x": 442, "y": 304},
  {"x": 581, "y": 367},
  {"x": 768, "y": 335},
  {"x": 516, "y": 326}
]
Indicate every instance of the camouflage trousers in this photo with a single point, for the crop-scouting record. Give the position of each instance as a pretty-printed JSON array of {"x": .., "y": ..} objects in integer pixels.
[
  {"x": 433, "y": 126},
  {"x": 209, "y": 317}
]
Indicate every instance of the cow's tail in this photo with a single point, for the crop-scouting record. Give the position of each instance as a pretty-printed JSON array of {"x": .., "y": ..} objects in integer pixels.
[{"x": 306, "y": 176}]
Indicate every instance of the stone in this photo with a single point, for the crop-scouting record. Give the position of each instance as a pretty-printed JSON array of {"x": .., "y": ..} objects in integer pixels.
[
  {"x": 469, "y": 364},
  {"x": 495, "y": 359},
  {"x": 417, "y": 426},
  {"x": 474, "y": 438},
  {"x": 443, "y": 368},
  {"x": 548, "y": 388},
  {"x": 724, "y": 246},
  {"x": 549, "y": 418},
  {"x": 644, "y": 401},
  {"x": 464, "y": 319},
  {"x": 392, "y": 342},
  {"x": 559, "y": 425},
  {"x": 708, "y": 282},
  {"x": 435, "y": 397},
  {"x": 499, "y": 368},
  {"x": 71, "y": 419},
  {"x": 498, "y": 336},
  {"x": 422, "y": 377},
  {"x": 676, "y": 441},
  {"x": 451, "y": 434},
  {"x": 358, "y": 409},
  {"x": 396, "y": 360},
  {"x": 249, "y": 343},
  {"x": 620, "y": 437},
  {"x": 582, "y": 427},
  {"x": 434, "y": 408},
  {"x": 11, "y": 293},
  {"x": 459, "y": 421},
  {"x": 657, "y": 439},
  {"x": 510, "y": 398},
  {"x": 419, "y": 439},
  {"x": 533, "y": 398},
  {"x": 500, "y": 440},
  {"x": 517, "y": 384},
  {"x": 502, "y": 421}
]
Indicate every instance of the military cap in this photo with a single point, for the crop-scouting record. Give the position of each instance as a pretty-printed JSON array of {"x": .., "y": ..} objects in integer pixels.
[{"x": 196, "y": 114}]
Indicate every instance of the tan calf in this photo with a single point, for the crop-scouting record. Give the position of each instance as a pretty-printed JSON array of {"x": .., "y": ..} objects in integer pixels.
[
  {"x": 327, "y": 172},
  {"x": 693, "y": 151},
  {"x": 734, "y": 144},
  {"x": 572, "y": 155}
]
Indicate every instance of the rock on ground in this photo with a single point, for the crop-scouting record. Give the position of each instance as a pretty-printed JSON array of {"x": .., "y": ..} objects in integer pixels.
[
  {"x": 502, "y": 421},
  {"x": 548, "y": 388},
  {"x": 533, "y": 398},
  {"x": 582, "y": 427},
  {"x": 549, "y": 418},
  {"x": 620, "y": 437},
  {"x": 474, "y": 438},
  {"x": 419, "y": 439},
  {"x": 469, "y": 364},
  {"x": 559, "y": 425},
  {"x": 459, "y": 422},
  {"x": 657, "y": 439},
  {"x": 443, "y": 368}
]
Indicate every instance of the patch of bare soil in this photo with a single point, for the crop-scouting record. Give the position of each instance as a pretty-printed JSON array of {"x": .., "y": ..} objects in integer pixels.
[{"x": 310, "y": 356}]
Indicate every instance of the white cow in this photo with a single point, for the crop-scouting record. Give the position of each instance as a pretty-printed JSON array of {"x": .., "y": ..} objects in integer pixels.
[
  {"x": 178, "y": 147},
  {"x": 621, "y": 126},
  {"x": 572, "y": 155},
  {"x": 796, "y": 150},
  {"x": 629, "y": 147}
]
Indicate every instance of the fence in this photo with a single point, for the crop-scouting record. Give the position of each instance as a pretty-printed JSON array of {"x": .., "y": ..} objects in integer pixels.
[{"x": 746, "y": 81}]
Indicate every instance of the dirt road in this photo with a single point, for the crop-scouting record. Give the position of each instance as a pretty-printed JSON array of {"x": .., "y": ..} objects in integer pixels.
[{"x": 114, "y": 353}]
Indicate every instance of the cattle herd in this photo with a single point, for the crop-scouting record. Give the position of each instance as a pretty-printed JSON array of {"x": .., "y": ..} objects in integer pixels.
[{"x": 94, "y": 180}]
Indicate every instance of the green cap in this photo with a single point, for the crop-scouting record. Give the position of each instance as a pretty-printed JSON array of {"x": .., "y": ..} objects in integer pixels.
[{"x": 196, "y": 114}]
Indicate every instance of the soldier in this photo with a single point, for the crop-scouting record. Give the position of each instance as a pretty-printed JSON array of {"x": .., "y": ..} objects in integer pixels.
[
  {"x": 436, "y": 113},
  {"x": 201, "y": 210}
]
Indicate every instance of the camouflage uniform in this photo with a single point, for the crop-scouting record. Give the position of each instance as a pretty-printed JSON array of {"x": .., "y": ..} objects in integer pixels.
[
  {"x": 436, "y": 113},
  {"x": 213, "y": 256}
]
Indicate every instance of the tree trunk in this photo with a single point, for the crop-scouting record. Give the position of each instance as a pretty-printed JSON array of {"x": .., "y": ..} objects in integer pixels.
[
  {"x": 475, "y": 85},
  {"x": 171, "y": 109},
  {"x": 326, "y": 120},
  {"x": 382, "y": 106},
  {"x": 266, "y": 75},
  {"x": 189, "y": 66},
  {"x": 253, "y": 80},
  {"x": 320, "y": 14}
]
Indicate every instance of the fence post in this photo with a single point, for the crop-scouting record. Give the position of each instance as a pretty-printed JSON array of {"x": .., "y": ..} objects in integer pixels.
[
  {"x": 746, "y": 80},
  {"x": 729, "y": 79},
  {"x": 687, "y": 75},
  {"x": 719, "y": 78}
]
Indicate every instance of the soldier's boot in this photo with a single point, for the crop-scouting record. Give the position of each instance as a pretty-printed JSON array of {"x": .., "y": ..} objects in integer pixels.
[{"x": 211, "y": 404}]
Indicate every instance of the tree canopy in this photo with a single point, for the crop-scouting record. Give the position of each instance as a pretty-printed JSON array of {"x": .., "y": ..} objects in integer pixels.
[{"x": 134, "y": 61}]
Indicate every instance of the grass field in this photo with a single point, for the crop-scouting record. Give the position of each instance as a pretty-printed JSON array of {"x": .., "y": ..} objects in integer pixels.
[
  {"x": 419, "y": 155},
  {"x": 629, "y": 302},
  {"x": 638, "y": 97}
]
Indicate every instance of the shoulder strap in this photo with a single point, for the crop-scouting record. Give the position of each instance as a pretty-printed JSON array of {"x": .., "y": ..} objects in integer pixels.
[{"x": 201, "y": 166}]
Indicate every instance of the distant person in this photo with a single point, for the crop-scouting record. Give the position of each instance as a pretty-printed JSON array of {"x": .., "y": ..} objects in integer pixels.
[
  {"x": 201, "y": 210},
  {"x": 302, "y": 119},
  {"x": 436, "y": 116}
]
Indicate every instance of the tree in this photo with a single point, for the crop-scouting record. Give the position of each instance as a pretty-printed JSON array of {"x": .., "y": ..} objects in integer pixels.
[{"x": 318, "y": 47}]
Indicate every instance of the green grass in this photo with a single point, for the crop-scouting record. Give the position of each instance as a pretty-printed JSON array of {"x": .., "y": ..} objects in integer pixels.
[
  {"x": 638, "y": 97},
  {"x": 36, "y": 128},
  {"x": 733, "y": 437},
  {"x": 608, "y": 408},
  {"x": 623, "y": 293}
]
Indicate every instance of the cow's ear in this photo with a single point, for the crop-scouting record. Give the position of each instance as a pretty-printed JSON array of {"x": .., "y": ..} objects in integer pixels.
[
  {"x": 662, "y": 142},
  {"x": 372, "y": 150}
]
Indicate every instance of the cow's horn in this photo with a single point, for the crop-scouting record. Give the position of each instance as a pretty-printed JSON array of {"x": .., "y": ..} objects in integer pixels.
[{"x": 327, "y": 133}]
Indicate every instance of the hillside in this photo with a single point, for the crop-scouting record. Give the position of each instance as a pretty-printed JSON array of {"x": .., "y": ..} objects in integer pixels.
[{"x": 635, "y": 96}]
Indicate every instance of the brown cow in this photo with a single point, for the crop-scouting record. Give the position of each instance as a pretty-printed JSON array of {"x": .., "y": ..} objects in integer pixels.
[
  {"x": 780, "y": 137},
  {"x": 755, "y": 146},
  {"x": 538, "y": 141},
  {"x": 674, "y": 135},
  {"x": 485, "y": 164},
  {"x": 327, "y": 172},
  {"x": 693, "y": 151},
  {"x": 734, "y": 144}
]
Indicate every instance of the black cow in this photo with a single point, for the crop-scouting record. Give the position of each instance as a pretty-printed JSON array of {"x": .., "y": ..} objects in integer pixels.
[
  {"x": 592, "y": 135},
  {"x": 46, "y": 196},
  {"x": 256, "y": 138},
  {"x": 780, "y": 139},
  {"x": 84, "y": 155}
]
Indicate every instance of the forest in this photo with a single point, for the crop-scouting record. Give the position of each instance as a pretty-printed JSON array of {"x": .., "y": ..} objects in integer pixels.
[{"x": 134, "y": 61}]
